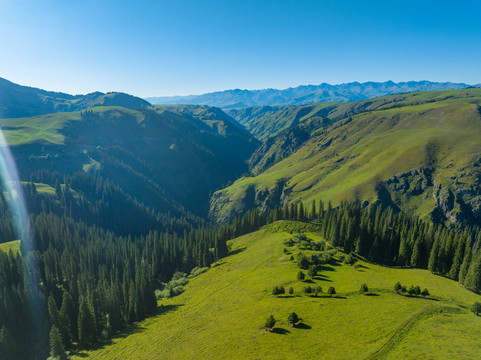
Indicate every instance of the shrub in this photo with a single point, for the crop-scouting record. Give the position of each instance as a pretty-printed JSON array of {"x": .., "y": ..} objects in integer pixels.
[
  {"x": 289, "y": 242},
  {"x": 278, "y": 290},
  {"x": 197, "y": 271},
  {"x": 302, "y": 261},
  {"x": 316, "y": 289},
  {"x": 476, "y": 308},
  {"x": 331, "y": 291},
  {"x": 364, "y": 289},
  {"x": 307, "y": 290},
  {"x": 411, "y": 290},
  {"x": 425, "y": 292},
  {"x": 350, "y": 259},
  {"x": 301, "y": 276},
  {"x": 270, "y": 323},
  {"x": 291, "y": 291},
  {"x": 314, "y": 259},
  {"x": 417, "y": 290},
  {"x": 397, "y": 287}
]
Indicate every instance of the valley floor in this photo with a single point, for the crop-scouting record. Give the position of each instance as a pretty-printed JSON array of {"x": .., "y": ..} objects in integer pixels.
[{"x": 222, "y": 311}]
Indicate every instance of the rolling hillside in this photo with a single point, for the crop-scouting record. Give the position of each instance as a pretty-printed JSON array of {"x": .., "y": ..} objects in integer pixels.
[
  {"x": 419, "y": 152},
  {"x": 306, "y": 94},
  {"x": 22, "y": 101},
  {"x": 222, "y": 312}
]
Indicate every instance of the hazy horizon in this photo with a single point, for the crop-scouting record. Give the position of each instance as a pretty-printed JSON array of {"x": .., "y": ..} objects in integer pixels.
[{"x": 186, "y": 48}]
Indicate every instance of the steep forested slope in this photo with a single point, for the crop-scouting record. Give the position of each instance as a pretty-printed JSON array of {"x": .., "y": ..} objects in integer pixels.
[{"x": 418, "y": 151}]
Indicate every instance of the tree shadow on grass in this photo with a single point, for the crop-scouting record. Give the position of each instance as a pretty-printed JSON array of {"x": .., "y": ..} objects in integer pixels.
[
  {"x": 280, "y": 331},
  {"x": 302, "y": 326},
  {"x": 332, "y": 297},
  {"x": 129, "y": 330},
  {"x": 236, "y": 251},
  {"x": 361, "y": 266},
  {"x": 288, "y": 296},
  {"x": 371, "y": 294},
  {"x": 164, "y": 309},
  {"x": 326, "y": 268}
]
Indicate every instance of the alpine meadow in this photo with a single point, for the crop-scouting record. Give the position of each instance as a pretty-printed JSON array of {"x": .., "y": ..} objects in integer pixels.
[{"x": 153, "y": 207}]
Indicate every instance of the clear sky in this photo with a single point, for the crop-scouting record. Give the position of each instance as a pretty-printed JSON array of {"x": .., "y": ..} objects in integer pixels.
[{"x": 180, "y": 47}]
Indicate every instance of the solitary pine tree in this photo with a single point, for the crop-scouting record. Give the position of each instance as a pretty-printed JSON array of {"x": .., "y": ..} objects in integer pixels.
[
  {"x": 292, "y": 319},
  {"x": 270, "y": 322},
  {"x": 331, "y": 291}
]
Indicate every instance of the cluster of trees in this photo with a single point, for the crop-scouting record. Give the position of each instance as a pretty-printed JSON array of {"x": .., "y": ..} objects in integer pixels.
[
  {"x": 292, "y": 320},
  {"x": 386, "y": 237},
  {"x": 411, "y": 291}
]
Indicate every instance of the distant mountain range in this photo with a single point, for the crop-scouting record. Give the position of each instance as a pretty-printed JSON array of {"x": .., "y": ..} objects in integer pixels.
[
  {"x": 23, "y": 101},
  {"x": 306, "y": 94}
]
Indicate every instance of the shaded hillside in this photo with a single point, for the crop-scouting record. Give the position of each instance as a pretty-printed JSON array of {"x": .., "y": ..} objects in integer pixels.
[
  {"x": 420, "y": 152},
  {"x": 151, "y": 154},
  {"x": 306, "y": 94},
  {"x": 22, "y": 101}
]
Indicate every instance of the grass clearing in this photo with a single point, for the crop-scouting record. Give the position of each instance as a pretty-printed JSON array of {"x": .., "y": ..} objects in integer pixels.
[
  {"x": 14, "y": 246},
  {"x": 222, "y": 311}
]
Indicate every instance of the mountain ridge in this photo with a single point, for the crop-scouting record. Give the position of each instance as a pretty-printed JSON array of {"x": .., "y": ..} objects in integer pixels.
[
  {"x": 24, "y": 101},
  {"x": 305, "y": 94}
]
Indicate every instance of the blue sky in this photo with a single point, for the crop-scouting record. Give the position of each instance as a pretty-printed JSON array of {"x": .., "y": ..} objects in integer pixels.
[{"x": 180, "y": 47}]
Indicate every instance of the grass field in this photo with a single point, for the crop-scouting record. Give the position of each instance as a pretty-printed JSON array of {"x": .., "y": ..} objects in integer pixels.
[{"x": 222, "y": 312}]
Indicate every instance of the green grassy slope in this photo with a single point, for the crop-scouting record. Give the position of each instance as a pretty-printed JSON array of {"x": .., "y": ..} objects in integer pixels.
[
  {"x": 221, "y": 313},
  {"x": 13, "y": 246},
  {"x": 377, "y": 140}
]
